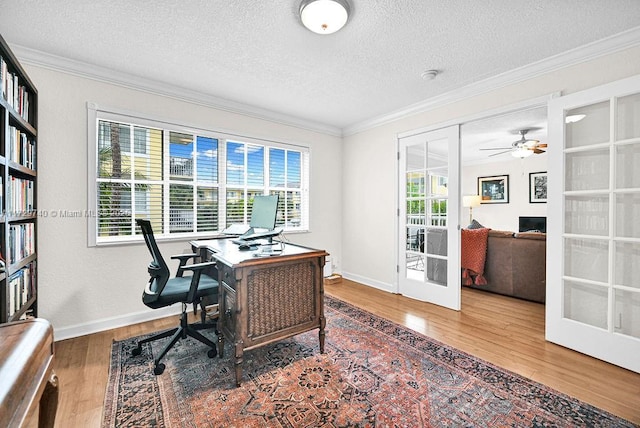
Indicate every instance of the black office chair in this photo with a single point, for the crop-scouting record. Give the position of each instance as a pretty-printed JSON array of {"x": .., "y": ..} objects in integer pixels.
[{"x": 164, "y": 291}]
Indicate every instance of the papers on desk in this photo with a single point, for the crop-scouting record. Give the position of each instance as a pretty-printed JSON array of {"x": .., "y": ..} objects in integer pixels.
[
  {"x": 268, "y": 250},
  {"x": 236, "y": 229}
]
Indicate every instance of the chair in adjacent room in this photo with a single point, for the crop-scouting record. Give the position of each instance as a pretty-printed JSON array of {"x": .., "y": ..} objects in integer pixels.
[{"x": 198, "y": 289}]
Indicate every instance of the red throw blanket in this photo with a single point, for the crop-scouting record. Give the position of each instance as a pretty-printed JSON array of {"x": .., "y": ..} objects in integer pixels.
[{"x": 474, "y": 254}]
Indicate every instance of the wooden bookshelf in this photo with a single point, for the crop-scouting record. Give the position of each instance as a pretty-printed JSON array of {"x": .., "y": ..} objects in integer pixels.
[{"x": 18, "y": 190}]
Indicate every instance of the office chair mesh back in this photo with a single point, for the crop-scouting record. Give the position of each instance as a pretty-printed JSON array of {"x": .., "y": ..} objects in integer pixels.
[
  {"x": 162, "y": 290},
  {"x": 158, "y": 268}
]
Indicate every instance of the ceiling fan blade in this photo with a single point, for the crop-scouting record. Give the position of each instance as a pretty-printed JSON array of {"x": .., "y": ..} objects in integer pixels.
[
  {"x": 542, "y": 146},
  {"x": 538, "y": 151},
  {"x": 498, "y": 148},
  {"x": 496, "y": 154}
]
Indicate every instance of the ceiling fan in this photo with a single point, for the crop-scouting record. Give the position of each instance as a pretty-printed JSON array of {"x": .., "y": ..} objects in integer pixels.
[{"x": 521, "y": 148}]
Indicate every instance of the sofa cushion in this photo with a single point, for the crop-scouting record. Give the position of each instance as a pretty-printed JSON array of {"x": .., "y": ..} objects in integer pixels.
[
  {"x": 500, "y": 233},
  {"x": 531, "y": 235}
]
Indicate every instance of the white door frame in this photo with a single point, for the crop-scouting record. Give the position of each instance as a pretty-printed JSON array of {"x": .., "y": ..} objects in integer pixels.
[{"x": 523, "y": 105}]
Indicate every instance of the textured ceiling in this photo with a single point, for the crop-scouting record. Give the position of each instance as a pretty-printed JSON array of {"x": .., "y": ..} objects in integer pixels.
[{"x": 257, "y": 53}]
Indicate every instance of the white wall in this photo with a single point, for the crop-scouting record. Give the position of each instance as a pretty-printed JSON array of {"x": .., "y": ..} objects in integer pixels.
[
  {"x": 504, "y": 216},
  {"x": 84, "y": 289},
  {"x": 369, "y": 162}
]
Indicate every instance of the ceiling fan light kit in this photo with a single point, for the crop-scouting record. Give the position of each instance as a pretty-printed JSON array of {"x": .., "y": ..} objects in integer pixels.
[
  {"x": 521, "y": 152},
  {"x": 324, "y": 16},
  {"x": 522, "y": 148}
]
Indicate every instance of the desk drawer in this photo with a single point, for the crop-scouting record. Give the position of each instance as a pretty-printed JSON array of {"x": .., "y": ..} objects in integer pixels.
[
  {"x": 227, "y": 276},
  {"x": 229, "y": 311}
]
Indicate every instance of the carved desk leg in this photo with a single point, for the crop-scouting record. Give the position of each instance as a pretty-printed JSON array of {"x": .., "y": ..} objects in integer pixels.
[
  {"x": 238, "y": 363},
  {"x": 321, "y": 333},
  {"x": 220, "y": 343},
  {"x": 49, "y": 403}
]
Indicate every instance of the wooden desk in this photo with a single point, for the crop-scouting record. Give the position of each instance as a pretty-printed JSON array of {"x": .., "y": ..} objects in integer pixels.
[
  {"x": 27, "y": 378},
  {"x": 267, "y": 298}
]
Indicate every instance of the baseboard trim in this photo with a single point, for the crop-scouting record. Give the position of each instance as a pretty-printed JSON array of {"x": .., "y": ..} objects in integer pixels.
[
  {"x": 390, "y": 288},
  {"x": 115, "y": 322},
  {"x": 150, "y": 315}
]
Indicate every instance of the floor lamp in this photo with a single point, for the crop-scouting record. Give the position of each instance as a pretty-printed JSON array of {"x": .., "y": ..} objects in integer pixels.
[{"x": 471, "y": 201}]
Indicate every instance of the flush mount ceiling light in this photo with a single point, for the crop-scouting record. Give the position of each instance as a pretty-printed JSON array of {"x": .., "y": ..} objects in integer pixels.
[{"x": 324, "y": 16}]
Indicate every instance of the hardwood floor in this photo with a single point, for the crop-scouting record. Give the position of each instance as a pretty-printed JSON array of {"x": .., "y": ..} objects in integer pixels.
[{"x": 506, "y": 332}]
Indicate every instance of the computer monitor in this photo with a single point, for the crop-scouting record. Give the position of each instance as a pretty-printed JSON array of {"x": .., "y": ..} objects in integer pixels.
[{"x": 264, "y": 212}]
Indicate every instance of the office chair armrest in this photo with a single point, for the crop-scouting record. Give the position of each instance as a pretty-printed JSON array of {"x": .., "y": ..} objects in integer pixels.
[
  {"x": 184, "y": 257},
  {"x": 183, "y": 261},
  {"x": 198, "y": 266},
  {"x": 197, "y": 269}
]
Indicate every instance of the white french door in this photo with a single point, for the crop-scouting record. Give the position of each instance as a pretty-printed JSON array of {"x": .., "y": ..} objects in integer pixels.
[
  {"x": 593, "y": 245},
  {"x": 428, "y": 226}
]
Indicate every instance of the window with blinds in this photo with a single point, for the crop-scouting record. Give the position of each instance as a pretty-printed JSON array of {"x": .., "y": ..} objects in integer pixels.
[{"x": 189, "y": 184}]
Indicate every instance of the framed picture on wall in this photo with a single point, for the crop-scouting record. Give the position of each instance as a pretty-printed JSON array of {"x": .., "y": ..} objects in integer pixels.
[
  {"x": 494, "y": 189},
  {"x": 538, "y": 187}
]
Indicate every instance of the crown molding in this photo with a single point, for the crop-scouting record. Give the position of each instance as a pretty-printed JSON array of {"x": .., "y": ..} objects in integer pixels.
[
  {"x": 101, "y": 74},
  {"x": 609, "y": 45}
]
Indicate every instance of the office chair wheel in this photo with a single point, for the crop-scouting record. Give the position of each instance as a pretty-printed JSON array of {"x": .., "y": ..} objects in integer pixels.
[
  {"x": 158, "y": 369},
  {"x": 136, "y": 351},
  {"x": 212, "y": 353}
]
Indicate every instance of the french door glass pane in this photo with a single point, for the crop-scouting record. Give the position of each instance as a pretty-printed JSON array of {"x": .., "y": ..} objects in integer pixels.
[
  {"x": 587, "y": 215},
  {"x": 436, "y": 245},
  {"x": 627, "y": 162},
  {"x": 628, "y": 215},
  {"x": 593, "y": 128},
  {"x": 627, "y": 313},
  {"x": 587, "y": 259},
  {"x": 627, "y": 123},
  {"x": 587, "y": 170},
  {"x": 586, "y": 303},
  {"x": 416, "y": 157},
  {"x": 627, "y": 264}
]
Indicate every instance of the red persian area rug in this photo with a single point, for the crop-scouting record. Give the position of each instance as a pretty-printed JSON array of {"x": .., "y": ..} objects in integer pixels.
[{"x": 374, "y": 373}]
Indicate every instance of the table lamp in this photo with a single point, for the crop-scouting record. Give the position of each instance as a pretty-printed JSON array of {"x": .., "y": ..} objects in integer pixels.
[{"x": 471, "y": 201}]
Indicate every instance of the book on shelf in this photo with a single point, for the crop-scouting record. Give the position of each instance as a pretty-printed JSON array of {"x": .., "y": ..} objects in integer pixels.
[
  {"x": 13, "y": 91},
  {"x": 21, "y": 241},
  {"x": 21, "y": 147},
  {"x": 21, "y": 288}
]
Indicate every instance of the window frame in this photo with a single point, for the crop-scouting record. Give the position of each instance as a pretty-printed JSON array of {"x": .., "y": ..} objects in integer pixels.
[{"x": 96, "y": 113}]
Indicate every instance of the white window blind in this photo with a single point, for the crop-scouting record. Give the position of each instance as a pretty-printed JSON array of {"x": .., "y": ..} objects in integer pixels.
[{"x": 187, "y": 183}]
